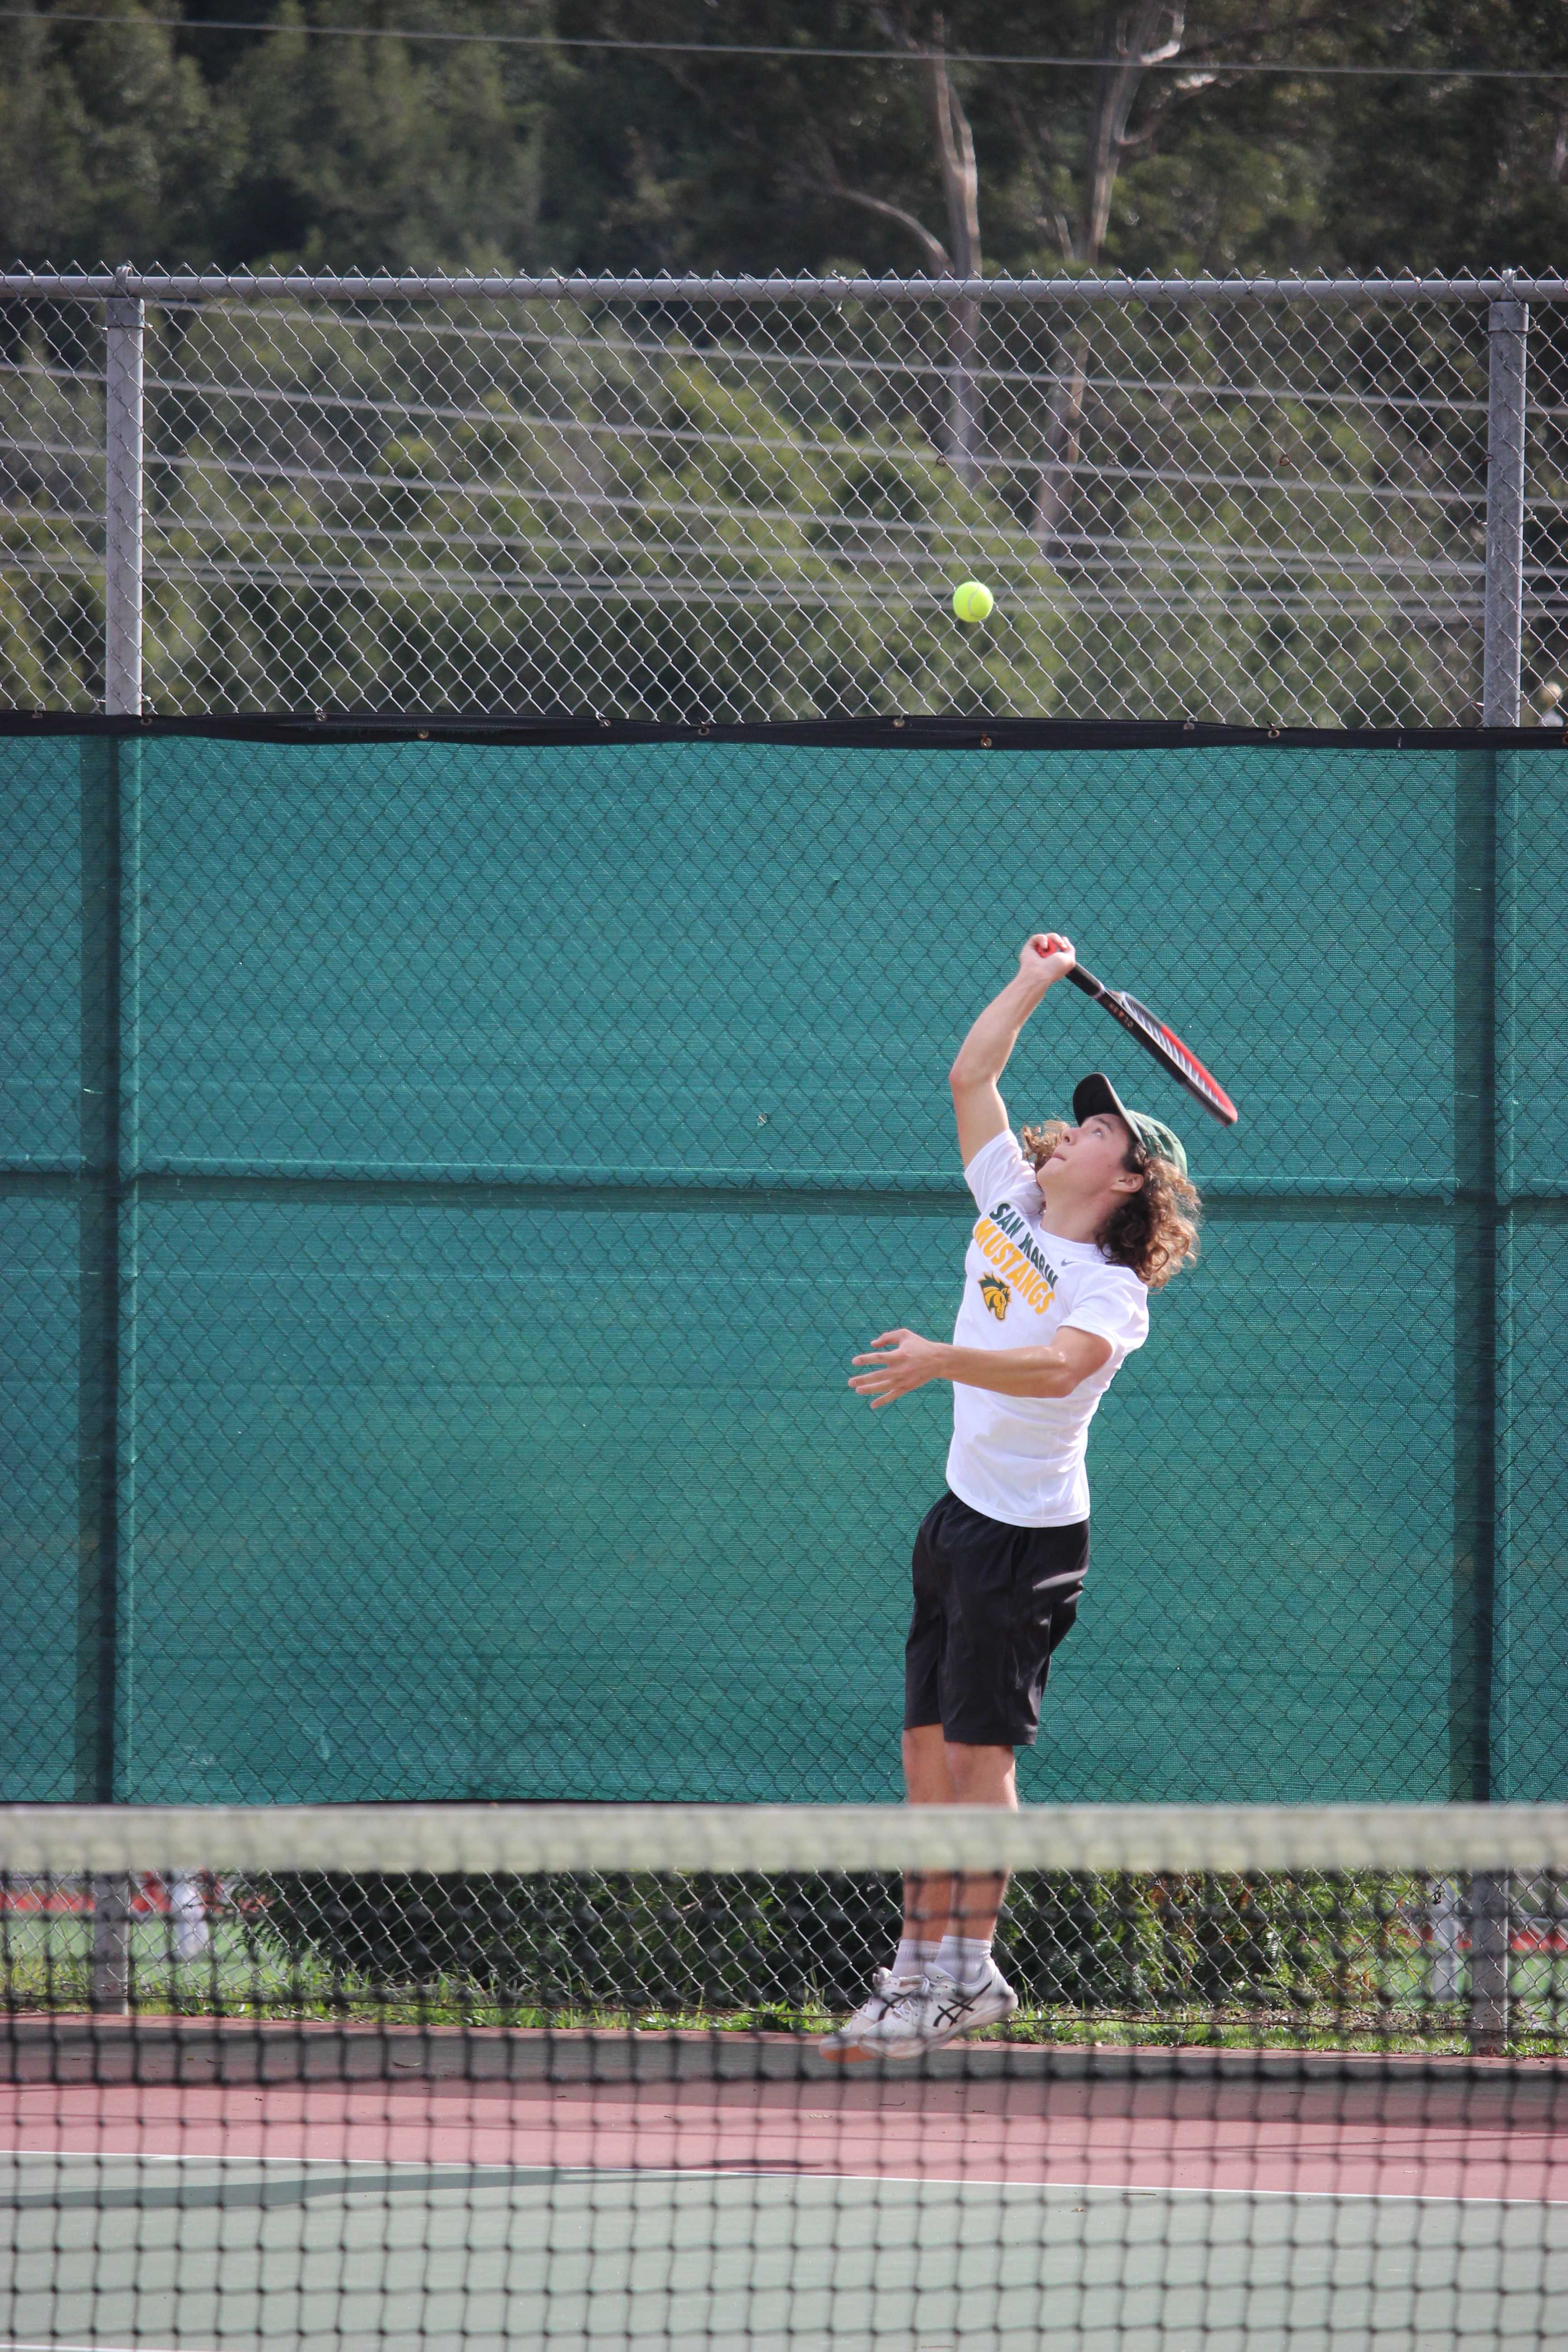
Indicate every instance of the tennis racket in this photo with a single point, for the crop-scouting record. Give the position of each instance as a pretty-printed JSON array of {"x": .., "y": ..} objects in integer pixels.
[{"x": 1169, "y": 1050}]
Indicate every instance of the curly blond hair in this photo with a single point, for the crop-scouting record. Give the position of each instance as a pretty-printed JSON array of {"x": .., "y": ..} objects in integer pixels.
[{"x": 1156, "y": 1229}]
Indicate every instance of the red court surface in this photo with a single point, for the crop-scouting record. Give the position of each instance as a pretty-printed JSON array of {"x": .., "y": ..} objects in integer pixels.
[{"x": 1467, "y": 2138}]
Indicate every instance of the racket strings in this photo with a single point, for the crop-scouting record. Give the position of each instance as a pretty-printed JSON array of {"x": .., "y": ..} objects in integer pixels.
[{"x": 1187, "y": 1064}]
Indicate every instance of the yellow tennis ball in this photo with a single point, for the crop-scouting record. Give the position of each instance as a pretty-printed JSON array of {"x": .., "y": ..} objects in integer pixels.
[{"x": 973, "y": 601}]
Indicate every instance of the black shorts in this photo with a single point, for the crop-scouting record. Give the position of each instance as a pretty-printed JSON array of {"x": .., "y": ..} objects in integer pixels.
[{"x": 991, "y": 1601}]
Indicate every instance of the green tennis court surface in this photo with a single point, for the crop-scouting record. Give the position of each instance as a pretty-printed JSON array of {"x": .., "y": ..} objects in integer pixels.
[{"x": 361, "y": 2257}]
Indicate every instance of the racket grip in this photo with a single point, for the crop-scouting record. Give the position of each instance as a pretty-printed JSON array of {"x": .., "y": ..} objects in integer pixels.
[{"x": 1085, "y": 980}]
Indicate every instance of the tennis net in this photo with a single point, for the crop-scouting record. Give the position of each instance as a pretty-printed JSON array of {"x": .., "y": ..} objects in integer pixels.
[{"x": 383, "y": 2075}]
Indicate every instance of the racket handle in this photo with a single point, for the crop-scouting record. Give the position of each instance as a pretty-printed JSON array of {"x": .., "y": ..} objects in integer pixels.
[{"x": 1084, "y": 980}]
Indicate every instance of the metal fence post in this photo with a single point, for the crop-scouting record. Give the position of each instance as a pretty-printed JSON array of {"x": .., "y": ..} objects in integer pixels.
[
  {"x": 1475, "y": 1344},
  {"x": 1474, "y": 1278},
  {"x": 111, "y": 1944},
  {"x": 123, "y": 503},
  {"x": 1508, "y": 322},
  {"x": 1508, "y": 330},
  {"x": 100, "y": 1275},
  {"x": 1490, "y": 1903},
  {"x": 122, "y": 496}
]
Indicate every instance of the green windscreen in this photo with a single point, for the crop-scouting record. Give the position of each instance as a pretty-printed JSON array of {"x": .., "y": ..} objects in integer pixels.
[{"x": 446, "y": 1181}]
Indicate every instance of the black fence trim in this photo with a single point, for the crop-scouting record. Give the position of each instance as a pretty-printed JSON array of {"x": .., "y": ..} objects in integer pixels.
[
  {"x": 1232, "y": 1202},
  {"x": 849, "y": 734}
]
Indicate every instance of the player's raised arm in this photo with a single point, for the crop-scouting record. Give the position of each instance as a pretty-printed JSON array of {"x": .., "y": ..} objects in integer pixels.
[{"x": 983, "y": 1057}]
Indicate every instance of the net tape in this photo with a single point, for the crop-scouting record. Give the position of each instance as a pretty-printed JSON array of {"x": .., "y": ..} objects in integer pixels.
[{"x": 564, "y": 1838}]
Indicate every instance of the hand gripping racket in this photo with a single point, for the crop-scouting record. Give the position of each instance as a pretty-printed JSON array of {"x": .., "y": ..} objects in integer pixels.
[{"x": 1167, "y": 1048}]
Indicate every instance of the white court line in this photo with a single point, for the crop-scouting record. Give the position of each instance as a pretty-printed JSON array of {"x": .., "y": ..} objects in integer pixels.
[{"x": 741, "y": 2172}]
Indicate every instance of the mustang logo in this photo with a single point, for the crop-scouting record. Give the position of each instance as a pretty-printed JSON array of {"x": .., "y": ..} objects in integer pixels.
[{"x": 996, "y": 1294}]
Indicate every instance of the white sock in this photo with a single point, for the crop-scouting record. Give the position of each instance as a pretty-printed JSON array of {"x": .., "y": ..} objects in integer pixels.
[
  {"x": 966, "y": 1959},
  {"x": 913, "y": 1956}
]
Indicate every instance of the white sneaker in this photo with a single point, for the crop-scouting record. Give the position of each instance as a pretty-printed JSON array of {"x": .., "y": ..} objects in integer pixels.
[
  {"x": 948, "y": 2010},
  {"x": 888, "y": 2025}
]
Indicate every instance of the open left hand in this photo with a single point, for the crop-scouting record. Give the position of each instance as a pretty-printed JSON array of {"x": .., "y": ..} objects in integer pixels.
[{"x": 902, "y": 1362}]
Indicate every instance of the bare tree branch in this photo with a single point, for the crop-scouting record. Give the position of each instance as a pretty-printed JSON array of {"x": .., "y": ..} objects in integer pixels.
[
  {"x": 961, "y": 188},
  {"x": 939, "y": 262},
  {"x": 1136, "y": 46},
  {"x": 955, "y": 152}
]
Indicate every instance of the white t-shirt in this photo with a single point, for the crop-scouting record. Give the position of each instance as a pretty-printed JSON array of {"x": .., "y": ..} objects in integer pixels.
[{"x": 1021, "y": 1459}]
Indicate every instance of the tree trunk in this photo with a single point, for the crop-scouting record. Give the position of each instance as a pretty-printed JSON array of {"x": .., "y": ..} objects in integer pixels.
[
  {"x": 1136, "y": 48},
  {"x": 1063, "y": 428},
  {"x": 1133, "y": 47},
  {"x": 960, "y": 187}
]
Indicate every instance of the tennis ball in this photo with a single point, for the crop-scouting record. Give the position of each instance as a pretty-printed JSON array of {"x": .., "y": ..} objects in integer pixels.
[{"x": 973, "y": 601}]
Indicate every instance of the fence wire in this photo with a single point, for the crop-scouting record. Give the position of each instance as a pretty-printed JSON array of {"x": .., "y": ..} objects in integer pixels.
[{"x": 671, "y": 506}]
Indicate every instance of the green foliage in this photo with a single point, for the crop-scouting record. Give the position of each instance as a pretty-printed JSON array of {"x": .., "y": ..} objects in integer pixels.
[
  {"x": 109, "y": 140},
  {"x": 1108, "y": 1946},
  {"x": 1128, "y": 1946},
  {"x": 129, "y": 139},
  {"x": 626, "y": 1943}
]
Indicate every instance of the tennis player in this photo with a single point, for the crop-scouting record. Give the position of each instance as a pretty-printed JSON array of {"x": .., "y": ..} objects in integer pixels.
[{"x": 1077, "y": 1224}]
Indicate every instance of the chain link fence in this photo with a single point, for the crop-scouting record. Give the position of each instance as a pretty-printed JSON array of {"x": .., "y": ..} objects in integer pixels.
[{"x": 1301, "y": 503}]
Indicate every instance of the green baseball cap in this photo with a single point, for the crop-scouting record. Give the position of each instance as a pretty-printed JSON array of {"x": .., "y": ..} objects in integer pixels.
[{"x": 1094, "y": 1095}]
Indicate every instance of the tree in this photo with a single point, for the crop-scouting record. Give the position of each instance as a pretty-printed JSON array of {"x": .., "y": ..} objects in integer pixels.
[
  {"x": 1450, "y": 175},
  {"x": 422, "y": 156},
  {"x": 1065, "y": 135},
  {"x": 111, "y": 141},
  {"x": 922, "y": 32},
  {"x": 127, "y": 138}
]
